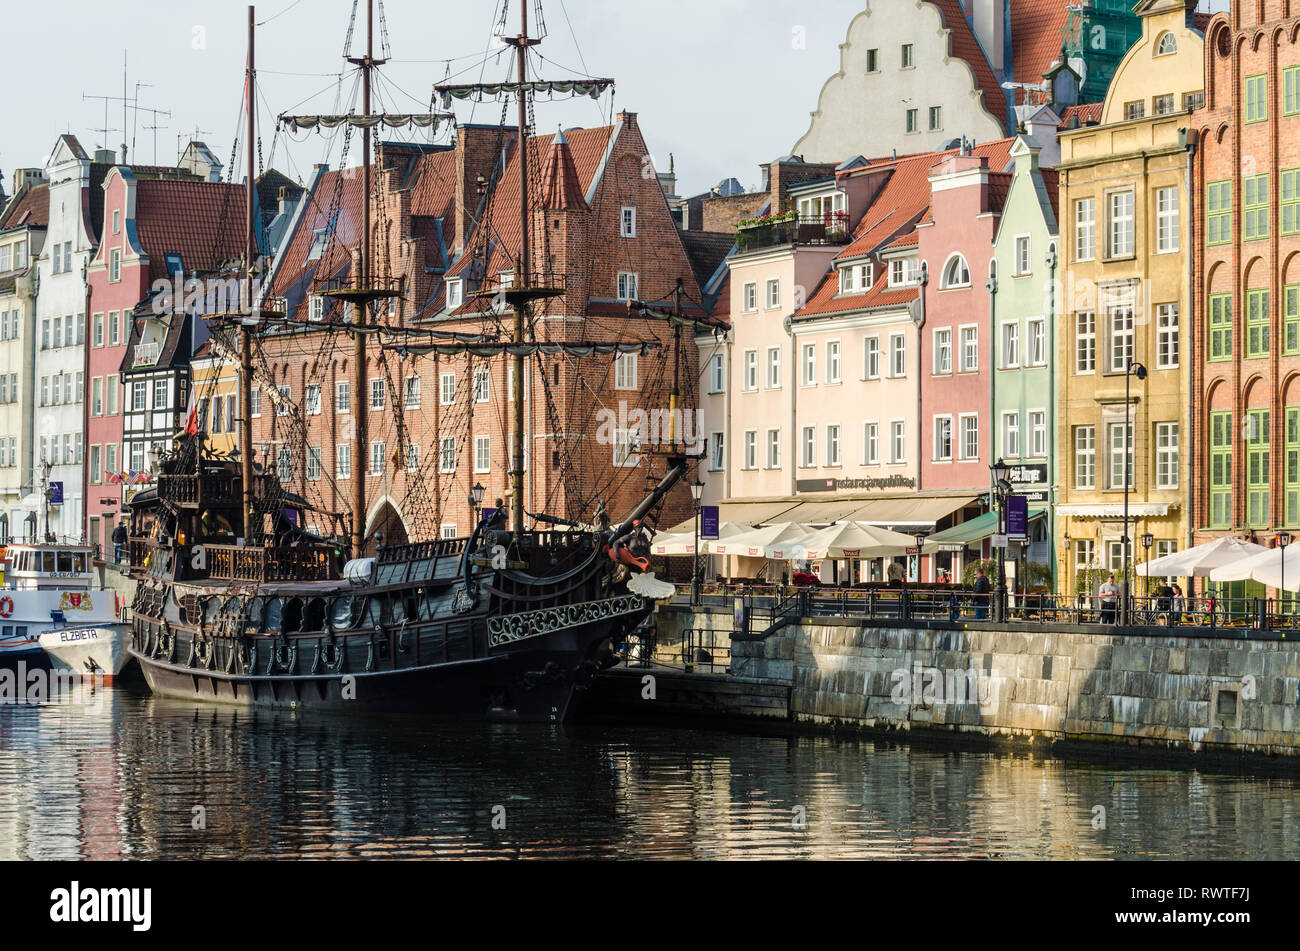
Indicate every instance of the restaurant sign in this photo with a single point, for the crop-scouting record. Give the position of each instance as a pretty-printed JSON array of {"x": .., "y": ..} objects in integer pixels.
[{"x": 859, "y": 485}]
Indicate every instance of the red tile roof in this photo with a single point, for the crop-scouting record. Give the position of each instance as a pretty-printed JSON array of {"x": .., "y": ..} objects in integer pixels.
[
  {"x": 560, "y": 188},
  {"x": 337, "y": 194},
  {"x": 827, "y": 300},
  {"x": 1087, "y": 113},
  {"x": 587, "y": 147},
  {"x": 433, "y": 185},
  {"x": 962, "y": 44},
  {"x": 203, "y": 222},
  {"x": 890, "y": 223},
  {"x": 905, "y": 197},
  {"x": 1036, "y": 36},
  {"x": 1051, "y": 181},
  {"x": 30, "y": 207}
]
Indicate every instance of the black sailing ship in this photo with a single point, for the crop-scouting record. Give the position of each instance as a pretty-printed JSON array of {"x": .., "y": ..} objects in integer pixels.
[{"x": 249, "y": 594}]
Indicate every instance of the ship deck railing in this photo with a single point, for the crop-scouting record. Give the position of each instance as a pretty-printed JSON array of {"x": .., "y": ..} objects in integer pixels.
[{"x": 280, "y": 564}]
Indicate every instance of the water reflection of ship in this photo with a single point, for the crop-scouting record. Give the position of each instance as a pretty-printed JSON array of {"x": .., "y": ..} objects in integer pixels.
[{"x": 249, "y": 594}]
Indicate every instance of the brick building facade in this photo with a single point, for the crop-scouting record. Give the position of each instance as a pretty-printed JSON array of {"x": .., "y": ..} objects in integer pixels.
[{"x": 1246, "y": 380}]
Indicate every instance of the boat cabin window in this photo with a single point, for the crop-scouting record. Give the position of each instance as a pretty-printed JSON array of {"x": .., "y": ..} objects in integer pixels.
[
  {"x": 253, "y": 613},
  {"x": 47, "y": 561},
  {"x": 372, "y": 613},
  {"x": 211, "y": 610},
  {"x": 397, "y": 606},
  {"x": 274, "y": 614},
  {"x": 315, "y": 617},
  {"x": 293, "y": 615},
  {"x": 342, "y": 613}
]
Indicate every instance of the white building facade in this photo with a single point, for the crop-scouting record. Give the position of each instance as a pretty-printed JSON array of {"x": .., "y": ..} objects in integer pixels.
[{"x": 60, "y": 332}]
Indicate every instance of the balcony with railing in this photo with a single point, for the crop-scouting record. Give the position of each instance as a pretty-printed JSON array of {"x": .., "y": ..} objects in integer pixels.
[
  {"x": 303, "y": 563},
  {"x": 830, "y": 228}
]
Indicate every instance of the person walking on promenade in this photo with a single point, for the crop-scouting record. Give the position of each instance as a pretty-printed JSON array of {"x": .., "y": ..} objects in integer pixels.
[
  {"x": 981, "y": 598},
  {"x": 1109, "y": 594},
  {"x": 1177, "y": 606},
  {"x": 119, "y": 540}
]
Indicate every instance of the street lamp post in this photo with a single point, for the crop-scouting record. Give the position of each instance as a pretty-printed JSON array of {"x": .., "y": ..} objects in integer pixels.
[
  {"x": 1134, "y": 369},
  {"x": 1283, "y": 541},
  {"x": 1147, "y": 541},
  {"x": 475, "y": 502},
  {"x": 1002, "y": 488},
  {"x": 697, "y": 491}
]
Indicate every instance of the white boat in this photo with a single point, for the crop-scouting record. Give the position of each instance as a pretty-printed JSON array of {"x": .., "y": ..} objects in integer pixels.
[
  {"x": 46, "y": 590},
  {"x": 90, "y": 651}
]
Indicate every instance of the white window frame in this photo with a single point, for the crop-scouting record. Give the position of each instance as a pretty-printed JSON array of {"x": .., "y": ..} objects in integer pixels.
[
  {"x": 1037, "y": 434},
  {"x": 943, "y": 439},
  {"x": 773, "y": 446},
  {"x": 1085, "y": 457},
  {"x": 447, "y": 389},
  {"x": 482, "y": 454},
  {"x": 773, "y": 293},
  {"x": 447, "y": 456},
  {"x": 871, "y": 358},
  {"x": 808, "y": 447},
  {"x": 1168, "y": 460},
  {"x": 970, "y": 347},
  {"x": 834, "y": 446},
  {"x": 750, "y": 459},
  {"x": 628, "y": 288},
  {"x": 627, "y": 222},
  {"x": 898, "y": 442},
  {"x": 1023, "y": 265},
  {"x": 749, "y": 297},
  {"x": 749, "y": 371},
  {"x": 1011, "y": 434},
  {"x": 1085, "y": 229},
  {"x": 1036, "y": 339},
  {"x": 626, "y": 372},
  {"x": 1167, "y": 220},
  {"x": 808, "y": 365},
  {"x": 968, "y": 434},
  {"x": 773, "y": 368},
  {"x": 1167, "y": 337},
  {"x": 942, "y": 351},
  {"x": 897, "y": 356},
  {"x": 834, "y": 363},
  {"x": 956, "y": 272},
  {"x": 1085, "y": 343},
  {"x": 1010, "y": 345},
  {"x": 1121, "y": 220},
  {"x": 871, "y": 443}
]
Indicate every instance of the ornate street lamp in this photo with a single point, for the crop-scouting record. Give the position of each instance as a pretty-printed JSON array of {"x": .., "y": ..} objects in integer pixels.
[
  {"x": 697, "y": 492},
  {"x": 476, "y": 500},
  {"x": 1001, "y": 473},
  {"x": 1283, "y": 542},
  {"x": 1147, "y": 541},
  {"x": 1134, "y": 369}
]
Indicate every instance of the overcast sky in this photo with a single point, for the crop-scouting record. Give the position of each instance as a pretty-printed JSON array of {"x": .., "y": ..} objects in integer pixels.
[{"x": 722, "y": 84}]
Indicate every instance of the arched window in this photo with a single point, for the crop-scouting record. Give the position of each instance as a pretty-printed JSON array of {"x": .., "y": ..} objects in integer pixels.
[
  {"x": 1166, "y": 45},
  {"x": 956, "y": 273}
]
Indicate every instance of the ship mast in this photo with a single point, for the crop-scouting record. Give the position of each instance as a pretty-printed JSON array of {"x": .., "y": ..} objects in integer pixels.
[
  {"x": 521, "y": 44},
  {"x": 246, "y": 329},
  {"x": 361, "y": 308}
]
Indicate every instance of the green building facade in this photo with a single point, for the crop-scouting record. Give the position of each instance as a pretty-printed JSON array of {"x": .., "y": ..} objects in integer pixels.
[{"x": 1023, "y": 319}]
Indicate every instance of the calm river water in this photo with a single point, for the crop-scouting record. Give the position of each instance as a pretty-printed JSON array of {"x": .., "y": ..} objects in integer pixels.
[{"x": 132, "y": 776}]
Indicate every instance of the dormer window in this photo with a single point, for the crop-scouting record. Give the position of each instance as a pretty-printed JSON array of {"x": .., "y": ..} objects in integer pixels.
[
  {"x": 1166, "y": 45},
  {"x": 856, "y": 279},
  {"x": 454, "y": 298},
  {"x": 821, "y": 205},
  {"x": 905, "y": 271},
  {"x": 318, "y": 244},
  {"x": 316, "y": 308},
  {"x": 505, "y": 279}
]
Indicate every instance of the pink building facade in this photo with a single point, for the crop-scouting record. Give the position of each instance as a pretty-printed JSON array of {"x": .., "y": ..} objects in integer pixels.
[{"x": 956, "y": 244}]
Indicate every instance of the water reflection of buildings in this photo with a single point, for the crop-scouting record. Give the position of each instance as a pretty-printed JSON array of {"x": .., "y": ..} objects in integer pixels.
[
  {"x": 60, "y": 784},
  {"x": 124, "y": 783}
]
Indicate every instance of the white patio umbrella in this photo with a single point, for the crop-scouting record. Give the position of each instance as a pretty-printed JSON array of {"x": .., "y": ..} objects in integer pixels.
[
  {"x": 853, "y": 540},
  {"x": 1270, "y": 566},
  {"x": 755, "y": 542},
  {"x": 1200, "y": 561},
  {"x": 683, "y": 543}
]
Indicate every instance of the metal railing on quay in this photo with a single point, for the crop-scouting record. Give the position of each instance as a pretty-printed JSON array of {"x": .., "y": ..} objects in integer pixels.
[{"x": 767, "y": 606}]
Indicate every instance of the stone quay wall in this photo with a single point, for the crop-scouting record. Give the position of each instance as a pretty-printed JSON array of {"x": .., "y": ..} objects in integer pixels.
[{"x": 1023, "y": 683}]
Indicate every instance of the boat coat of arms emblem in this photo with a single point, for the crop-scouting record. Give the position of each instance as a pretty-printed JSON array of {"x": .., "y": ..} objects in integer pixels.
[{"x": 75, "y": 601}]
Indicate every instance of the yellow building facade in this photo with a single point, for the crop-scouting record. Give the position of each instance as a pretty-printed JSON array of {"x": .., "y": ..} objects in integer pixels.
[
  {"x": 1124, "y": 345},
  {"x": 216, "y": 392}
]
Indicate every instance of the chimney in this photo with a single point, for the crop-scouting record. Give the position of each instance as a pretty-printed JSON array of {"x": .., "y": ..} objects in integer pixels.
[
  {"x": 476, "y": 156},
  {"x": 989, "y": 23},
  {"x": 105, "y": 157},
  {"x": 628, "y": 119}
]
